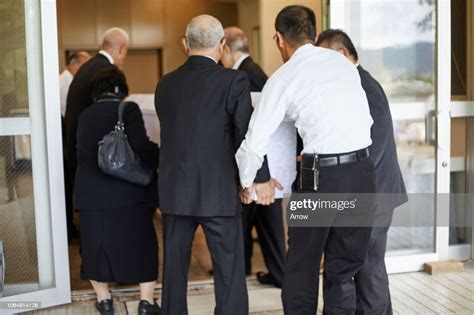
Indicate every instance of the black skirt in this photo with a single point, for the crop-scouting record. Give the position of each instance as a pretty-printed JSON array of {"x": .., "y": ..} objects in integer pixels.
[{"x": 119, "y": 245}]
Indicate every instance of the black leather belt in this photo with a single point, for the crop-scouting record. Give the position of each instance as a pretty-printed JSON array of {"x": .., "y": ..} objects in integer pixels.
[
  {"x": 311, "y": 163},
  {"x": 325, "y": 160}
]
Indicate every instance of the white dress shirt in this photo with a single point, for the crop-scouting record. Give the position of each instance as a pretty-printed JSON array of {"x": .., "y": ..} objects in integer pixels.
[
  {"x": 239, "y": 61},
  {"x": 65, "y": 79},
  {"x": 107, "y": 55},
  {"x": 321, "y": 91}
]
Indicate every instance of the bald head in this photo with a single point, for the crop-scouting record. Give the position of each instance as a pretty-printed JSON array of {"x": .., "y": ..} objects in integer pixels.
[
  {"x": 204, "y": 32},
  {"x": 115, "y": 41},
  {"x": 236, "y": 39},
  {"x": 114, "y": 36},
  {"x": 236, "y": 46}
]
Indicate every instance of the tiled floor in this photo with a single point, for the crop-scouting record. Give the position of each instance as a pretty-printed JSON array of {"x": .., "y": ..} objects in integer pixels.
[{"x": 412, "y": 293}]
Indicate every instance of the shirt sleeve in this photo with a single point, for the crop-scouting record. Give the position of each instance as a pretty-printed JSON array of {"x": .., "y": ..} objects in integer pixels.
[{"x": 266, "y": 118}]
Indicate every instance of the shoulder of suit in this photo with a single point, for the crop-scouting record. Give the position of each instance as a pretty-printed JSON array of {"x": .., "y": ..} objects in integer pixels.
[
  {"x": 92, "y": 67},
  {"x": 367, "y": 78}
]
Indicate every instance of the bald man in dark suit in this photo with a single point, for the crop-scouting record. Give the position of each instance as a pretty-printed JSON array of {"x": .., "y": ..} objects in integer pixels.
[{"x": 268, "y": 220}]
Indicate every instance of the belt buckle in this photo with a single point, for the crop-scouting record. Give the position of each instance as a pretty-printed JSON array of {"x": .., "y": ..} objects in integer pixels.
[{"x": 315, "y": 172}]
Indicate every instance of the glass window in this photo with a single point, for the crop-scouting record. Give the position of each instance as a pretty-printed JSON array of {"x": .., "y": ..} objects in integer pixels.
[
  {"x": 25, "y": 217},
  {"x": 13, "y": 83},
  {"x": 396, "y": 42}
]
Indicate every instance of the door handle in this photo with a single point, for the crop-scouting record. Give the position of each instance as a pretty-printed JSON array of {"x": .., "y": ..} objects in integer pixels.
[
  {"x": 2, "y": 268},
  {"x": 430, "y": 127}
]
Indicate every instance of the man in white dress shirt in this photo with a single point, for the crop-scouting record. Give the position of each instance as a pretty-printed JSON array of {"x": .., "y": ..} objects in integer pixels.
[
  {"x": 321, "y": 91},
  {"x": 75, "y": 61}
]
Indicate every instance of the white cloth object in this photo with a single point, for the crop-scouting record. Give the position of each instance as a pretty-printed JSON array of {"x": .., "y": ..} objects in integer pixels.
[
  {"x": 146, "y": 103},
  {"x": 281, "y": 153}
]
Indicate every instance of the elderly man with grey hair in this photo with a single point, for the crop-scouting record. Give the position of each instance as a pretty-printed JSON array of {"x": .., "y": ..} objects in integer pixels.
[
  {"x": 268, "y": 219},
  {"x": 236, "y": 55},
  {"x": 204, "y": 110}
]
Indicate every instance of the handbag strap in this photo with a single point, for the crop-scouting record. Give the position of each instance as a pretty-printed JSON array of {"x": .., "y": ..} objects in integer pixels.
[{"x": 120, "y": 126}]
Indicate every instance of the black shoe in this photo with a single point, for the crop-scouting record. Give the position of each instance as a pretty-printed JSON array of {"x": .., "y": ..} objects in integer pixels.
[
  {"x": 267, "y": 278},
  {"x": 145, "y": 308},
  {"x": 105, "y": 307}
]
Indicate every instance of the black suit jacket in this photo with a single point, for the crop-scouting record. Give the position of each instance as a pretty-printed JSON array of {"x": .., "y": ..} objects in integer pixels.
[
  {"x": 97, "y": 190},
  {"x": 257, "y": 77},
  {"x": 383, "y": 150},
  {"x": 204, "y": 112},
  {"x": 78, "y": 99}
]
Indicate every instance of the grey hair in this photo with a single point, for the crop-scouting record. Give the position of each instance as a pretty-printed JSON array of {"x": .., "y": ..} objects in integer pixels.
[
  {"x": 114, "y": 36},
  {"x": 236, "y": 39},
  {"x": 204, "y": 32}
]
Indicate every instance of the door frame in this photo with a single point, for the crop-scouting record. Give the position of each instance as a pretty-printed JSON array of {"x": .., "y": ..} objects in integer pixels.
[
  {"x": 415, "y": 261},
  {"x": 43, "y": 125}
]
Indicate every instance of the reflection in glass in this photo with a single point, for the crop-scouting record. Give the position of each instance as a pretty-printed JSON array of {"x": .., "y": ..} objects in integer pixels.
[
  {"x": 13, "y": 82},
  {"x": 17, "y": 208},
  {"x": 17, "y": 211},
  {"x": 396, "y": 44}
]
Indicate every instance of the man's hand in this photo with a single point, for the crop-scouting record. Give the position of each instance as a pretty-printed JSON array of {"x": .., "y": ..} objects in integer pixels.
[
  {"x": 266, "y": 192},
  {"x": 246, "y": 195}
]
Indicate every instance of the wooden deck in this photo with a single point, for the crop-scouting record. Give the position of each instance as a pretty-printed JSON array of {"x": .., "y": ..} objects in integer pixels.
[{"x": 412, "y": 293}]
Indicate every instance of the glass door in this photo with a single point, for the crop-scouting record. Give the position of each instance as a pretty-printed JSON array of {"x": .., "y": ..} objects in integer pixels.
[
  {"x": 405, "y": 45},
  {"x": 34, "y": 263}
]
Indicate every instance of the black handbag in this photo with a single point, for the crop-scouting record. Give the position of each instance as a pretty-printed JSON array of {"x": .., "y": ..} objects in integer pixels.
[{"x": 117, "y": 158}]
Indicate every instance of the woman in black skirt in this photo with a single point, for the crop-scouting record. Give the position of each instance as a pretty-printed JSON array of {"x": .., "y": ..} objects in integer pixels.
[{"x": 118, "y": 238}]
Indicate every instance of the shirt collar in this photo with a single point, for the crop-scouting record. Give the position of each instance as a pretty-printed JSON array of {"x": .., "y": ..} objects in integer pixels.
[
  {"x": 239, "y": 61},
  {"x": 107, "y": 55},
  {"x": 302, "y": 49},
  {"x": 210, "y": 58}
]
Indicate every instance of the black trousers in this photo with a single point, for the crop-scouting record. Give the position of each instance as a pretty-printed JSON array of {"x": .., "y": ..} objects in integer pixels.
[
  {"x": 344, "y": 248},
  {"x": 268, "y": 221},
  {"x": 225, "y": 243},
  {"x": 373, "y": 293}
]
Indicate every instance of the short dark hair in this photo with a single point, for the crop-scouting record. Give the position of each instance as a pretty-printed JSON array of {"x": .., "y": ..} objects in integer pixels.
[
  {"x": 338, "y": 37},
  {"x": 72, "y": 56},
  {"x": 75, "y": 56},
  {"x": 111, "y": 80},
  {"x": 297, "y": 23}
]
